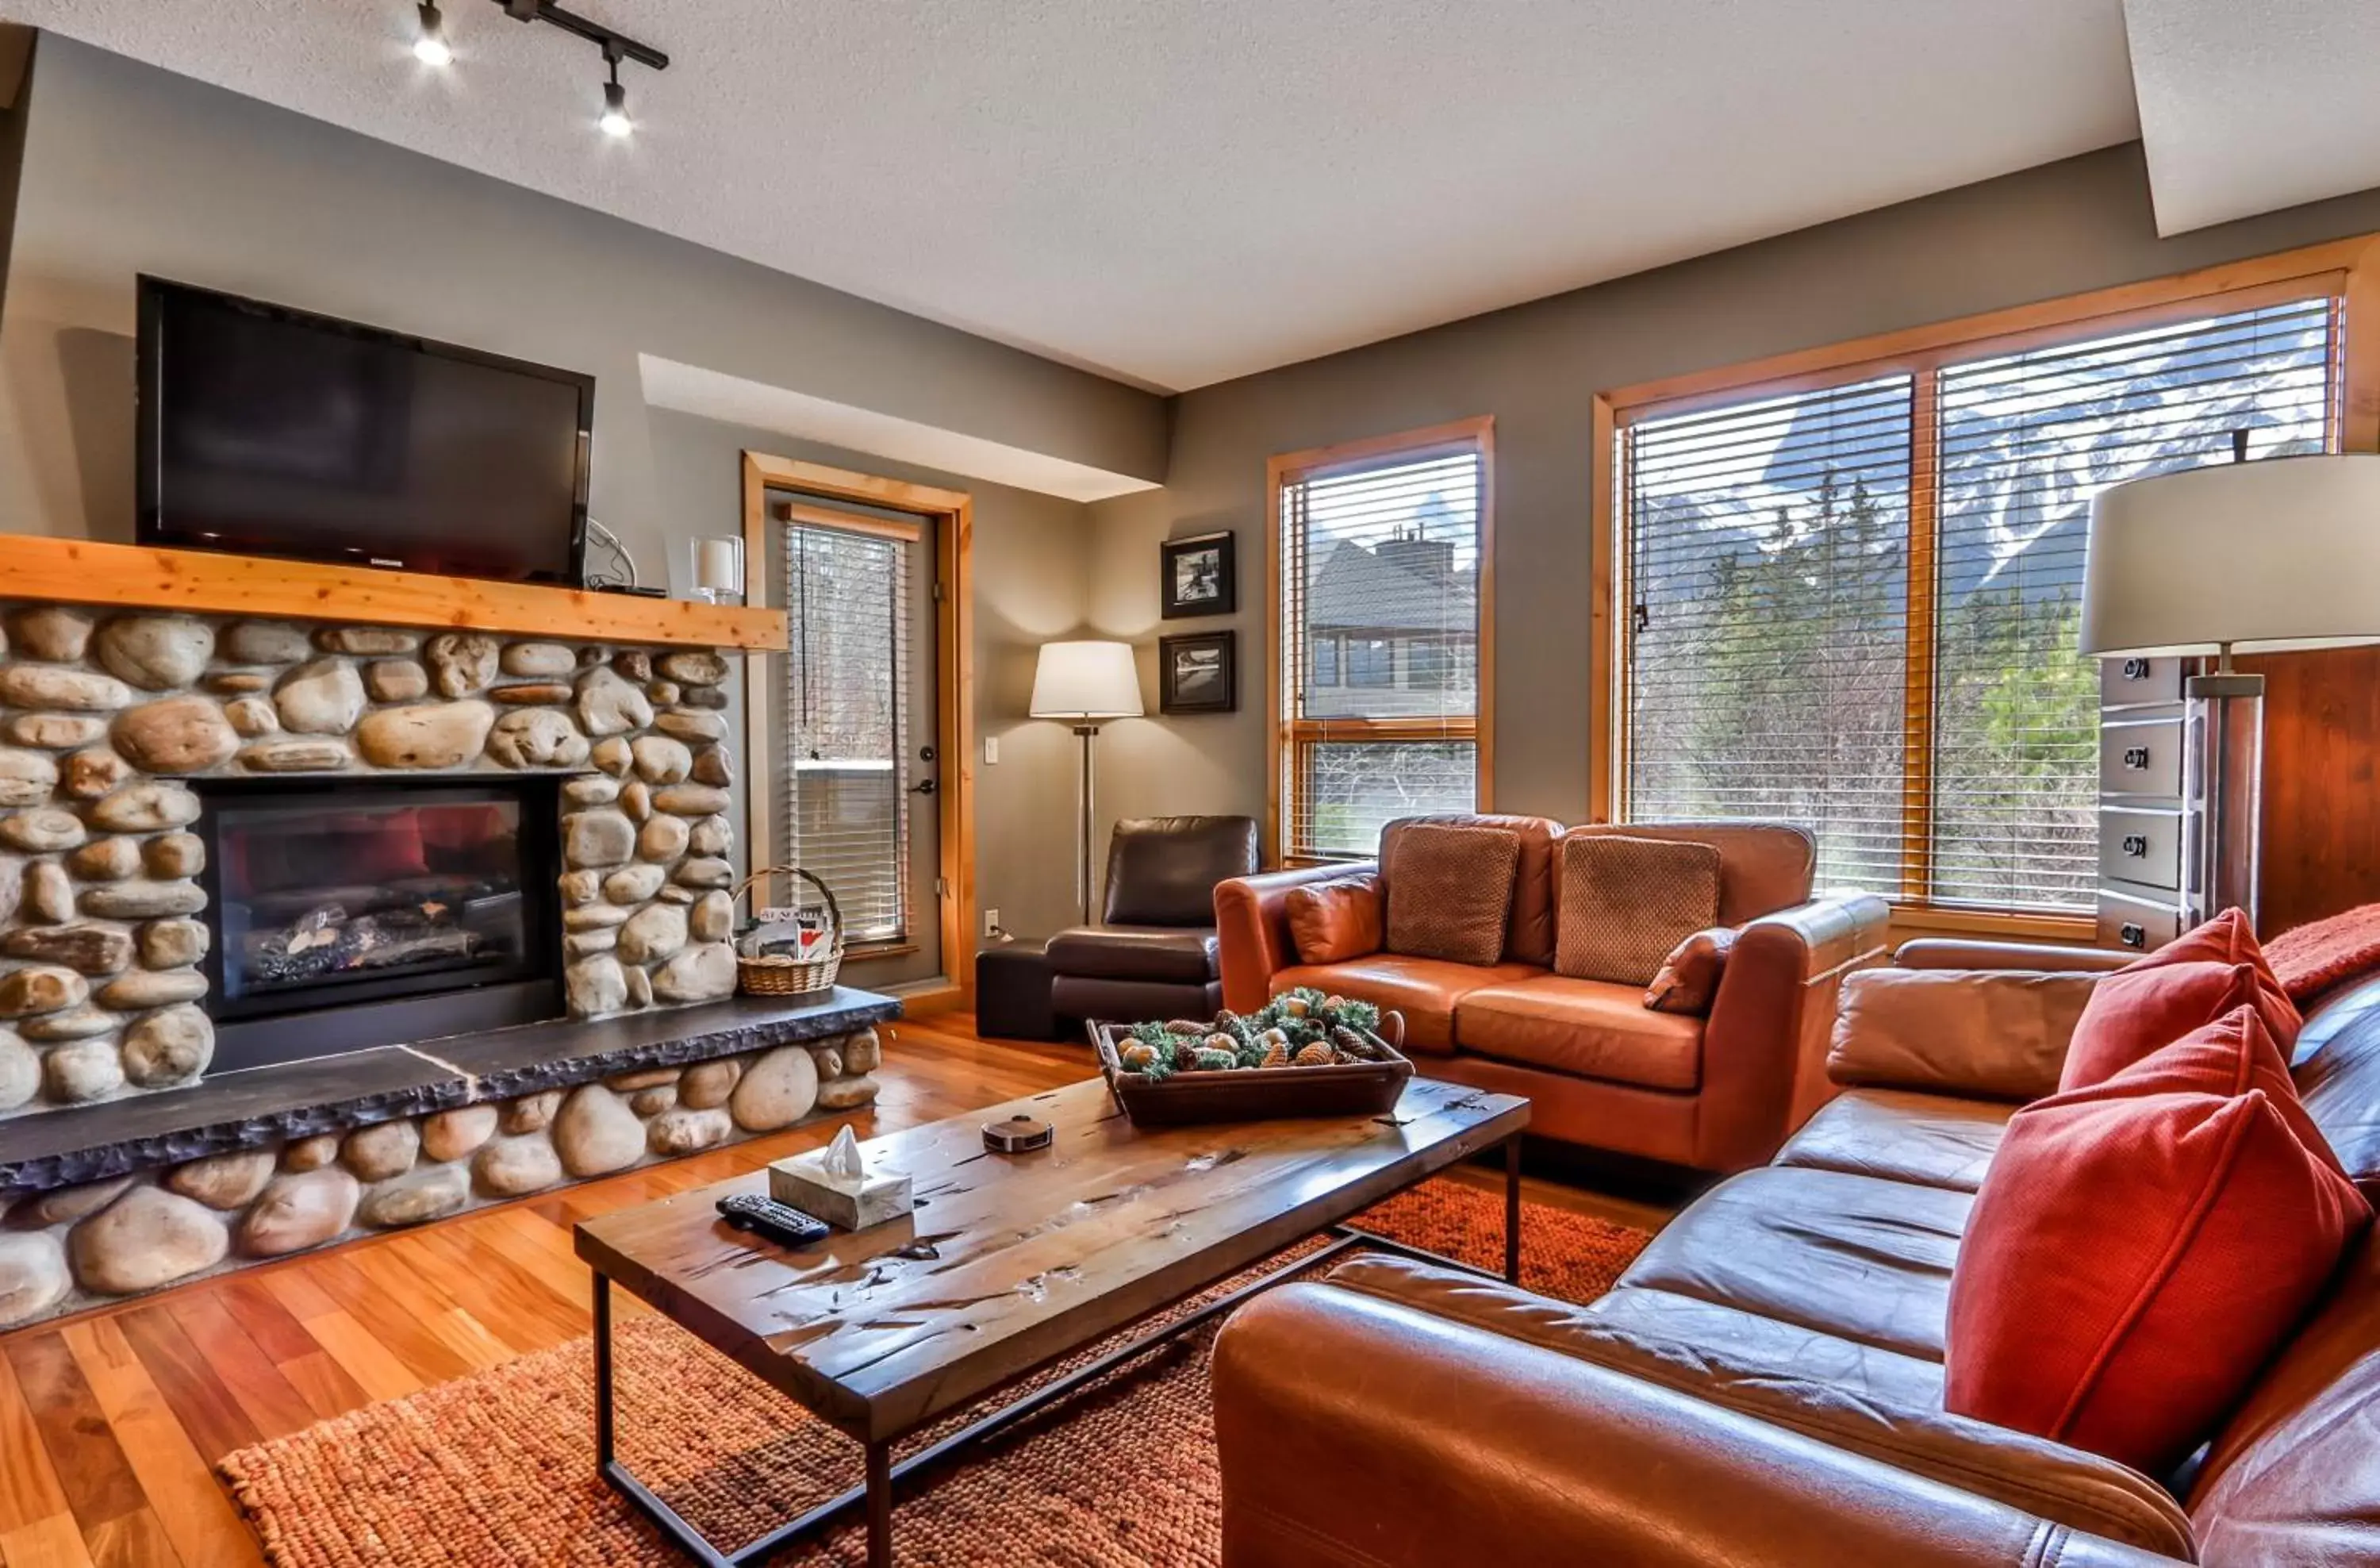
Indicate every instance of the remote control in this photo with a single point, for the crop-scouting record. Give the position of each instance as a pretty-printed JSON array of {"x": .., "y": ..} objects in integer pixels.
[{"x": 782, "y": 1221}]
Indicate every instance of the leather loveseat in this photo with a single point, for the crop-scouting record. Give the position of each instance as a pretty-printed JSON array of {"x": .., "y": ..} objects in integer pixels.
[
  {"x": 1763, "y": 1386},
  {"x": 1155, "y": 954},
  {"x": 1715, "y": 1093}
]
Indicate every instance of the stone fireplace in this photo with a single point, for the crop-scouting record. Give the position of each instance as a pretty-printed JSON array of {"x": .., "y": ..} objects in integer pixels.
[{"x": 313, "y": 927}]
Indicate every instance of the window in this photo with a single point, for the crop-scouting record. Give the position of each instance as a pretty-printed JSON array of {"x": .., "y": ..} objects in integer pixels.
[
  {"x": 1383, "y": 567},
  {"x": 846, "y": 721},
  {"x": 1857, "y": 606}
]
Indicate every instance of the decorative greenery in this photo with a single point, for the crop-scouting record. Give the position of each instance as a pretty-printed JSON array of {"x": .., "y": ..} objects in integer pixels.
[{"x": 1287, "y": 1029}]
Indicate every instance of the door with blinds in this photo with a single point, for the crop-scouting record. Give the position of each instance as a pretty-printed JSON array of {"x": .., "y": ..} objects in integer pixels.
[{"x": 854, "y": 775}]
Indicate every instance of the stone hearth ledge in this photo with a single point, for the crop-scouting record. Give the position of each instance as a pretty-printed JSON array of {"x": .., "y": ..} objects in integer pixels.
[{"x": 265, "y": 1107}]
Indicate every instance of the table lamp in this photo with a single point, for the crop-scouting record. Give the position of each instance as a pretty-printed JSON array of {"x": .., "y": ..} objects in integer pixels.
[
  {"x": 2277, "y": 555},
  {"x": 1088, "y": 683}
]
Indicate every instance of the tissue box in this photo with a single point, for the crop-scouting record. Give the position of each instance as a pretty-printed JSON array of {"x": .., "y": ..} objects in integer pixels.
[{"x": 876, "y": 1197}]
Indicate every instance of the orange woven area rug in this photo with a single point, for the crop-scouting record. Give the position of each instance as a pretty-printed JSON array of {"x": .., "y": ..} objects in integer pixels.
[{"x": 497, "y": 1469}]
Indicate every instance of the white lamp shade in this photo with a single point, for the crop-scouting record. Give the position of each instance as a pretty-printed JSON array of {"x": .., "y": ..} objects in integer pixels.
[
  {"x": 2278, "y": 554},
  {"x": 1086, "y": 680}
]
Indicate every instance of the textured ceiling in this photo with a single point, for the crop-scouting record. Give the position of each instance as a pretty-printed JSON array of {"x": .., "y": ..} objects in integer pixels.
[
  {"x": 1180, "y": 191},
  {"x": 2249, "y": 108}
]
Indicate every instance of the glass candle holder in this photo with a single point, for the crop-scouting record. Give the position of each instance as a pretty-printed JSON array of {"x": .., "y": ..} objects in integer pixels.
[{"x": 718, "y": 576}]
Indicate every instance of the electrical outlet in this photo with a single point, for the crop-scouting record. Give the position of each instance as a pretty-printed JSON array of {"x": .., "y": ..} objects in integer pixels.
[
  {"x": 991, "y": 749},
  {"x": 991, "y": 922}
]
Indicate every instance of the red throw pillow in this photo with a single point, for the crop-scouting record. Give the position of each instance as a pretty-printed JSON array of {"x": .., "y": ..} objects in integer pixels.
[
  {"x": 1688, "y": 979},
  {"x": 2148, "y": 1005},
  {"x": 2131, "y": 1263},
  {"x": 2227, "y": 939},
  {"x": 1333, "y": 921},
  {"x": 2227, "y": 1057}
]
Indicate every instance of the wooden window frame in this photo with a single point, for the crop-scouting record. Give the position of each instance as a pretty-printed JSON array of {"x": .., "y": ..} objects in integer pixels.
[
  {"x": 954, "y": 512},
  {"x": 2346, "y": 270},
  {"x": 1285, "y": 734}
]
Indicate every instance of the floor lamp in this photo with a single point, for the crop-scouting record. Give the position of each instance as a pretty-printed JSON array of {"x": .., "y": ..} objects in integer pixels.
[
  {"x": 1088, "y": 683},
  {"x": 2277, "y": 555}
]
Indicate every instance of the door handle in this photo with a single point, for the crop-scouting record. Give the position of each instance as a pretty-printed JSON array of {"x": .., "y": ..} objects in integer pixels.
[{"x": 923, "y": 786}]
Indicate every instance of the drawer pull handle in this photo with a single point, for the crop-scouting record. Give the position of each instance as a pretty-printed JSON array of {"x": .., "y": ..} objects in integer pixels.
[
  {"x": 2136, "y": 845},
  {"x": 2136, "y": 757},
  {"x": 2132, "y": 935},
  {"x": 2136, "y": 669}
]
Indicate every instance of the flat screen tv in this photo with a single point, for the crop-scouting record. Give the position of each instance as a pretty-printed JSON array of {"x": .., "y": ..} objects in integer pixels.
[{"x": 270, "y": 432}]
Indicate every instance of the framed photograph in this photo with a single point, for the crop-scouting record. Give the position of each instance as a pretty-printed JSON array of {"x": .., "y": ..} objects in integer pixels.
[
  {"x": 1202, "y": 575},
  {"x": 1198, "y": 674}
]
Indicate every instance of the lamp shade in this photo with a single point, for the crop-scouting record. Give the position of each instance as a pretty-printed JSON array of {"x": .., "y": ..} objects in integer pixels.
[
  {"x": 2278, "y": 554},
  {"x": 1086, "y": 680}
]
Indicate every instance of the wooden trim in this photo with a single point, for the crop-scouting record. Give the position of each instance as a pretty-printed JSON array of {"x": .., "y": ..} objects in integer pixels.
[
  {"x": 1915, "y": 919},
  {"x": 953, "y": 513},
  {"x": 1918, "y": 646},
  {"x": 1282, "y": 735},
  {"x": 2359, "y": 399},
  {"x": 82, "y": 571},
  {"x": 1605, "y": 650},
  {"x": 2316, "y": 268},
  {"x": 849, "y": 522}
]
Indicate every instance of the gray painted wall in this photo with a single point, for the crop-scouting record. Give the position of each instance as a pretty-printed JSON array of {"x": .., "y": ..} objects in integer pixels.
[
  {"x": 130, "y": 169},
  {"x": 1030, "y": 579},
  {"x": 2061, "y": 229}
]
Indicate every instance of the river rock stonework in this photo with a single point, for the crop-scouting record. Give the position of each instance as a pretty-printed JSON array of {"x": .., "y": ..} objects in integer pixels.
[
  {"x": 76, "y": 1247},
  {"x": 104, "y": 714}
]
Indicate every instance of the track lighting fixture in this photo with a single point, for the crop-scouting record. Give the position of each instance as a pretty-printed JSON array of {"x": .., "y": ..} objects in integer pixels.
[
  {"x": 429, "y": 45},
  {"x": 614, "y": 121}
]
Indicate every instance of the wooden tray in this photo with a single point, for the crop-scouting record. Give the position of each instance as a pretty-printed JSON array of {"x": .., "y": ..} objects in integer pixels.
[{"x": 1347, "y": 1088}]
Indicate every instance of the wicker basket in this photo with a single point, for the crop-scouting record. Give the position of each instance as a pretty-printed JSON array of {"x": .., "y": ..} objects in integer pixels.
[{"x": 777, "y": 975}]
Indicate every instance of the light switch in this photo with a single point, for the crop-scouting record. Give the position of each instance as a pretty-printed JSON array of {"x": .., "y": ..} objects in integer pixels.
[{"x": 991, "y": 749}]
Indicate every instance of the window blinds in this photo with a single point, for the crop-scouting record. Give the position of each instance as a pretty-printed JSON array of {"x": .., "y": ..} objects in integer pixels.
[
  {"x": 845, "y": 777},
  {"x": 1380, "y": 569},
  {"x": 1767, "y": 657},
  {"x": 2026, "y": 440}
]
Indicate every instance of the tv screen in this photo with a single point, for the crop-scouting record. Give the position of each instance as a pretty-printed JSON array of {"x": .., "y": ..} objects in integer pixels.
[{"x": 270, "y": 432}]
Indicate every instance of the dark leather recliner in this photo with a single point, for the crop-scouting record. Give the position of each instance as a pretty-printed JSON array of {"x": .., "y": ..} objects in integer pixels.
[{"x": 1154, "y": 955}]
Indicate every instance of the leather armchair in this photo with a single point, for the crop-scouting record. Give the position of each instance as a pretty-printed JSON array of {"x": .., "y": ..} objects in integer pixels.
[{"x": 1155, "y": 953}]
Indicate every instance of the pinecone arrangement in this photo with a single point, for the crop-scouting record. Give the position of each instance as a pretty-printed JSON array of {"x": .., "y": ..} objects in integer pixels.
[{"x": 1298, "y": 1028}]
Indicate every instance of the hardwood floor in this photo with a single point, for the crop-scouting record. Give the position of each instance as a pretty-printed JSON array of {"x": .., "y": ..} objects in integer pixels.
[{"x": 111, "y": 1421}]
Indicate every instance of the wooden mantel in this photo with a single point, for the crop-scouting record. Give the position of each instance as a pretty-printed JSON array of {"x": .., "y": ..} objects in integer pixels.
[{"x": 81, "y": 571}]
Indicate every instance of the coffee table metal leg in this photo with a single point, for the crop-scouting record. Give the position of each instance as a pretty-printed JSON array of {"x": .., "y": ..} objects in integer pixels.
[
  {"x": 879, "y": 1505},
  {"x": 1512, "y": 1210}
]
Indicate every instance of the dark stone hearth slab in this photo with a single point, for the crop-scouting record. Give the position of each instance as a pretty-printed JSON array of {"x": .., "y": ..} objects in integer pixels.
[{"x": 270, "y": 1105}]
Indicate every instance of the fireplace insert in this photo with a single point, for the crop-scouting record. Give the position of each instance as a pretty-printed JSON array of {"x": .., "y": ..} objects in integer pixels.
[{"x": 352, "y": 914}]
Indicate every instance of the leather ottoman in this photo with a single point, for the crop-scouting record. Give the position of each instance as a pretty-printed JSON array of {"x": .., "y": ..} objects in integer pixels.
[{"x": 1012, "y": 994}]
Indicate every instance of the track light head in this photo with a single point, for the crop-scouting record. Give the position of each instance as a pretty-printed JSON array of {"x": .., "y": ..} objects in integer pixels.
[
  {"x": 615, "y": 121},
  {"x": 429, "y": 45}
]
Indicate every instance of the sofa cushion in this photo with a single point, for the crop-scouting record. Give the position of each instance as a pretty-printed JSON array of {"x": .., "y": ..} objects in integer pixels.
[
  {"x": 1993, "y": 1033},
  {"x": 1136, "y": 953},
  {"x": 1162, "y": 870},
  {"x": 1425, "y": 990},
  {"x": 2148, "y": 1005},
  {"x": 1627, "y": 902},
  {"x": 2338, "y": 1074},
  {"x": 1586, "y": 1029},
  {"x": 2133, "y": 1262},
  {"x": 1688, "y": 978},
  {"x": 1763, "y": 867},
  {"x": 1930, "y": 1140},
  {"x": 1529, "y": 933},
  {"x": 1449, "y": 890},
  {"x": 1864, "y": 1260},
  {"x": 1331, "y": 922}
]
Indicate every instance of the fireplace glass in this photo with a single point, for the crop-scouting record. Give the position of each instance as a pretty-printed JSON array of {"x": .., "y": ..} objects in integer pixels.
[{"x": 332, "y": 896}]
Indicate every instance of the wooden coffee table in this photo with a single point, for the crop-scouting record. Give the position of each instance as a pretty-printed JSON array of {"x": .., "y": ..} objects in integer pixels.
[{"x": 1009, "y": 1262}]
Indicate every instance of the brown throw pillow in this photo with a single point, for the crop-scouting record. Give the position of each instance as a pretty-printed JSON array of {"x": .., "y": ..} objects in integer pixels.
[
  {"x": 1626, "y": 902},
  {"x": 1688, "y": 979},
  {"x": 1451, "y": 891},
  {"x": 1333, "y": 921}
]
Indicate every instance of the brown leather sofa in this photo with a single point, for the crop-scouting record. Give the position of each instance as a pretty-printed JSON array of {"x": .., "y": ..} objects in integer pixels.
[
  {"x": 1154, "y": 955},
  {"x": 1715, "y": 1093},
  {"x": 1764, "y": 1385}
]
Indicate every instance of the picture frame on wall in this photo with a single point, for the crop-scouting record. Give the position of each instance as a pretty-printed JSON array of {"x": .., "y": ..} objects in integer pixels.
[
  {"x": 1198, "y": 672},
  {"x": 1202, "y": 574}
]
